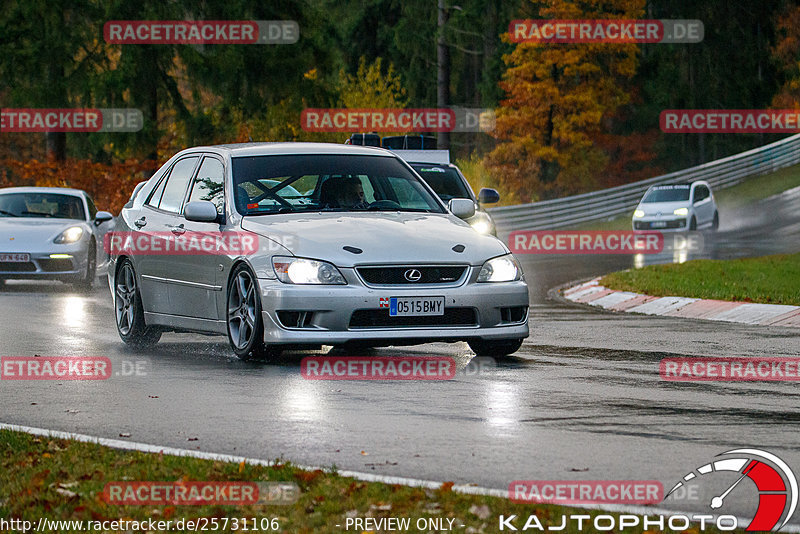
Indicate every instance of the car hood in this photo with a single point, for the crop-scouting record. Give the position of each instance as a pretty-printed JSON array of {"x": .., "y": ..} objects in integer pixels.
[
  {"x": 665, "y": 208},
  {"x": 32, "y": 230},
  {"x": 384, "y": 237}
]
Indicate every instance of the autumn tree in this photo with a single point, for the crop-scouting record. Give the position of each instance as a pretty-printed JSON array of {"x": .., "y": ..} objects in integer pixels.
[
  {"x": 558, "y": 96},
  {"x": 787, "y": 55}
]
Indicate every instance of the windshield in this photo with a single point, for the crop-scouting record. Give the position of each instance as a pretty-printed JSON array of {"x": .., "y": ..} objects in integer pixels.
[
  {"x": 50, "y": 205},
  {"x": 671, "y": 193},
  {"x": 327, "y": 182},
  {"x": 444, "y": 180}
]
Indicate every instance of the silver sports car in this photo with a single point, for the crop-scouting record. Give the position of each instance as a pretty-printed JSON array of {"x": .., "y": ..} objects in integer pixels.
[
  {"x": 50, "y": 233},
  {"x": 301, "y": 245}
]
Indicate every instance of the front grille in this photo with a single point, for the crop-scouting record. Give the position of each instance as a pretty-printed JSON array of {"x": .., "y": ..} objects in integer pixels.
[
  {"x": 397, "y": 275},
  {"x": 56, "y": 265},
  {"x": 380, "y": 318},
  {"x": 17, "y": 267},
  {"x": 644, "y": 225}
]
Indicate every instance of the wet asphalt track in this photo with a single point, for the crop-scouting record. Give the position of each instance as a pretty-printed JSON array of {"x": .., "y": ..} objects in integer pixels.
[{"x": 582, "y": 399}]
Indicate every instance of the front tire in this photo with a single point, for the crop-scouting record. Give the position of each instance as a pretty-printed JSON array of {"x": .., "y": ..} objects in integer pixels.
[
  {"x": 85, "y": 283},
  {"x": 129, "y": 311},
  {"x": 715, "y": 222},
  {"x": 245, "y": 324},
  {"x": 504, "y": 347},
  {"x": 693, "y": 223}
]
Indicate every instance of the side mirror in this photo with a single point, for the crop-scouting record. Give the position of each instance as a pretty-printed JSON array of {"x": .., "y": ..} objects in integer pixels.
[
  {"x": 463, "y": 208},
  {"x": 200, "y": 211},
  {"x": 488, "y": 196},
  {"x": 102, "y": 216}
]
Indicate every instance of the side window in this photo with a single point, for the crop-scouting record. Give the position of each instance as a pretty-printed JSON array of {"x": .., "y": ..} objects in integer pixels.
[
  {"x": 210, "y": 183},
  {"x": 177, "y": 182},
  {"x": 701, "y": 193},
  {"x": 92, "y": 208},
  {"x": 155, "y": 196}
]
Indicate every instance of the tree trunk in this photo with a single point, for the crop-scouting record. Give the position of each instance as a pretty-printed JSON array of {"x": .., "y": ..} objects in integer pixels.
[{"x": 443, "y": 71}]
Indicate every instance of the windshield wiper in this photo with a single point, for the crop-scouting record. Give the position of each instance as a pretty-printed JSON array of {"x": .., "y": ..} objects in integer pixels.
[{"x": 4, "y": 212}]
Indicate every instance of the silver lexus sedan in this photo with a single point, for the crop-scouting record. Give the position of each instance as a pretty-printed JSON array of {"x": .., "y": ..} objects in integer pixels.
[{"x": 302, "y": 244}]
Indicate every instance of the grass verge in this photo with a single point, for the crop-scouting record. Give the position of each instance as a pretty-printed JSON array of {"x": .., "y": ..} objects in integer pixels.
[
  {"x": 768, "y": 279},
  {"x": 63, "y": 480}
]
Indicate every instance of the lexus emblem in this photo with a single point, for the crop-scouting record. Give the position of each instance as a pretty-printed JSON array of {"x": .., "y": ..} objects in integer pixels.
[{"x": 413, "y": 275}]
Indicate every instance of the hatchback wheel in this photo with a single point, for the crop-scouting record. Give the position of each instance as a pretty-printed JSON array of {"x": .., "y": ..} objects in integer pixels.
[
  {"x": 245, "y": 324},
  {"x": 693, "y": 223},
  {"x": 715, "y": 222},
  {"x": 129, "y": 310}
]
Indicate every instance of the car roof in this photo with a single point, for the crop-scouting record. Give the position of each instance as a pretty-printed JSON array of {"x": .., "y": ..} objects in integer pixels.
[
  {"x": 60, "y": 190},
  {"x": 274, "y": 149},
  {"x": 680, "y": 184}
]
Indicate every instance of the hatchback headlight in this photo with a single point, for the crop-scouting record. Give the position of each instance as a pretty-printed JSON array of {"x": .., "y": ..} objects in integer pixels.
[
  {"x": 500, "y": 269},
  {"x": 305, "y": 271},
  {"x": 681, "y": 211},
  {"x": 70, "y": 235},
  {"x": 638, "y": 214}
]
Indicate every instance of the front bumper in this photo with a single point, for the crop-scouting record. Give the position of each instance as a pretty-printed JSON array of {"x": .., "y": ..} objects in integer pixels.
[
  {"x": 43, "y": 266},
  {"x": 331, "y": 315},
  {"x": 660, "y": 224}
]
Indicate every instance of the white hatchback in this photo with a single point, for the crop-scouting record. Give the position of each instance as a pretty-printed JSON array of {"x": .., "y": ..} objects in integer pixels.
[{"x": 677, "y": 207}]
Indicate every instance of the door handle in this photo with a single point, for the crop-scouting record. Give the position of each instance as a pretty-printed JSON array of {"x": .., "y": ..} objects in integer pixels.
[
  {"x": 140, "y": 222},
  {"x": 178, "y": 230}
]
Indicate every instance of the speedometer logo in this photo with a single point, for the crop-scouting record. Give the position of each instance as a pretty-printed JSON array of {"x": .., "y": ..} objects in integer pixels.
[{"x": 776, "y": 483}]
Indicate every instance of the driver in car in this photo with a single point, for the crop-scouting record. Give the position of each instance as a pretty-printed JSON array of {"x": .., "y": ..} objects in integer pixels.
[{"x": 347, "y": 193}]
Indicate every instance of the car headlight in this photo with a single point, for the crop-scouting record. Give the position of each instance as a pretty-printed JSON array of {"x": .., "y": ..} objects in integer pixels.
[
  {"x": 482, "y": 224},
  {"x": 500, "y": 269},
  {"x": 681, "y": 211},
  {"x": 70, "y": 235},
  {"x": 638, "y": 214},
  {"x": 304, "y": 271}
]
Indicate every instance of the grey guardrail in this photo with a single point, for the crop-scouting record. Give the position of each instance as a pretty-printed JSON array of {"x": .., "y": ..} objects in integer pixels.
[{"x": 615, "y": 201}]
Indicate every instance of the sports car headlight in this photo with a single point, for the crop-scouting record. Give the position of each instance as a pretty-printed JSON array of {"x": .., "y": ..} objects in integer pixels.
[
  {"x": 304, "y": 271},
  {"x": 681, "y": 211},
  {"x": 638, "y": 214},
  {"x": 500, "y": 269},
  {"x": 70, "y": 235}
]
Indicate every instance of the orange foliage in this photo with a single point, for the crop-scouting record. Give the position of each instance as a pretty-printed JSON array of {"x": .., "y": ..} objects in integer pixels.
[
  {"x": 110, "y": 185},
  {"x": 787, "y": 54},
  {"x": 558, "y": 98},
  {"x": 630, "y": 157}
]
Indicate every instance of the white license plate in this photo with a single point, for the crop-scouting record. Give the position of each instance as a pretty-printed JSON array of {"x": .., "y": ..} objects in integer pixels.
[
  {"x": 658, "y": 224},
  {"x": 415, "y": 306},
  {"x": 15, "y": 258}
]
